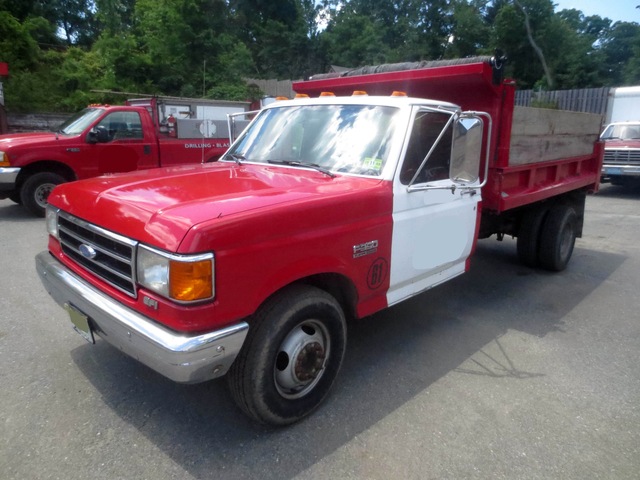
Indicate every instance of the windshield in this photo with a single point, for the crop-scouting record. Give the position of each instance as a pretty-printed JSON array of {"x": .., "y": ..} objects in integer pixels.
[
  {"x": 79, "y": 122},
  {"x": 339, "y": 138},
  {"x": 623, "y": 131}
]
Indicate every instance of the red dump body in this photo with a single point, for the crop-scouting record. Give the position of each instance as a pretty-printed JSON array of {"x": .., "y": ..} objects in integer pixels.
[{"x": 539, "y": 173}]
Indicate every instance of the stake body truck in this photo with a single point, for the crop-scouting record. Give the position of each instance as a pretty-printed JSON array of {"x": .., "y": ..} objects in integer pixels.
[
  {"x": 144, "y": 133},
  {"x": 324, "y": 209}
]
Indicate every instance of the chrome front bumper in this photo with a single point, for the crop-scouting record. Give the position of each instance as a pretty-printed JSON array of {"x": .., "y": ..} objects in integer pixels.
[
  {"x": 181, "y": 357},
  {"x": 615, "y": 170},
  {"x": 8, "y": 177}
]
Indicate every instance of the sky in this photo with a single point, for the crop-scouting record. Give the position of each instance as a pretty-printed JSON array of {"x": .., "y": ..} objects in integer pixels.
[{"x": 616, "y": 10}]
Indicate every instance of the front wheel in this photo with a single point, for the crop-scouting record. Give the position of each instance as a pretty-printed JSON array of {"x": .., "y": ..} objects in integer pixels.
[
  {"x": 15, "y": 198},
  {"x": 291, "y": 356},
  {"x": 36, "y": 189}
]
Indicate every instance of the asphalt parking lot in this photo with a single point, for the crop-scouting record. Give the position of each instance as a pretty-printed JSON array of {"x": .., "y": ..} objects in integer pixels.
[{"x": 505, "y": 372}]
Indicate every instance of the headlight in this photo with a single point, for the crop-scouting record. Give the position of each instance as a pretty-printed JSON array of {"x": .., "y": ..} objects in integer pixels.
[
  {"x": 4, "y": 159},
  {"x": 52, "y": 220},
  {"x": 183, "y": 278}
]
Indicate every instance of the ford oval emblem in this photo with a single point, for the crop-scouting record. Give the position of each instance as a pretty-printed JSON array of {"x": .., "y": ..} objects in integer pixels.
[{"x": 88, "y": 251}]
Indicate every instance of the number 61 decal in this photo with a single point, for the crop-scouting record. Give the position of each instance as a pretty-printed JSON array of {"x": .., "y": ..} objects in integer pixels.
[{"x": 377, "y": 273}]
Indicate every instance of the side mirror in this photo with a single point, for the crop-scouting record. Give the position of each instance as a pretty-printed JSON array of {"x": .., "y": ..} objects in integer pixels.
[
  {"x": 99, "y": 134},
  {"x": 467, "y": 150}
]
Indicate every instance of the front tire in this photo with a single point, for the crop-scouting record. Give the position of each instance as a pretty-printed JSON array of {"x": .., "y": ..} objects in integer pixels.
[
  {"x": 15, "y": 198},
  {"x": 291, "y": 356},
  {"x": 36, "y": 189}
]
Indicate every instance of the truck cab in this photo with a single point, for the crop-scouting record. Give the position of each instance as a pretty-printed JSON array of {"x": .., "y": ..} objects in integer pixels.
[
  {"x": 97, "y": 140},
  {"x": 106, "y": 139},
  {"x": 621, "y": 165}
]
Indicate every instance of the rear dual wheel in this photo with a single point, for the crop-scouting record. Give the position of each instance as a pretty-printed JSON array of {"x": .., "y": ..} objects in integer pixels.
[
  {"x": 558, "y": 238},
  {"x": 547, "y": 236},
  {"x": 291, "y": 356},
  {"x": 529, "y": 236}
]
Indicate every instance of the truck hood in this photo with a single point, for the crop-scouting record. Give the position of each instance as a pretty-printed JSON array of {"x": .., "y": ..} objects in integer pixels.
[
  {"x": 619, "y": 144},
  {"x": 159, "y": 206},
  {"x": 19, "y": 139}
]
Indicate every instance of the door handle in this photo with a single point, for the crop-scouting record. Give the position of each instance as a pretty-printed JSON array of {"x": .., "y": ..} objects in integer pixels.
[{"x": 147, "y": 149}]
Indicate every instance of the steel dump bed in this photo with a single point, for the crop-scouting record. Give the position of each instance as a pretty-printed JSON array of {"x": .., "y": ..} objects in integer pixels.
[{"x": 535, "y": 153}]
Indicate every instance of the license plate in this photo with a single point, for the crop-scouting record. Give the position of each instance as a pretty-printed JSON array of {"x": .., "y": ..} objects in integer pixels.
[
  {"x": 613, "y": 171},
  {"x": 81, "y": 323}
]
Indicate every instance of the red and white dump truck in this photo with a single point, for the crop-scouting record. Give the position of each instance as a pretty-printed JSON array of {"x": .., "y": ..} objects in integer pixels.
[
  {"x": 324, "y": 209},
  {"x": 144, "y": 133}
]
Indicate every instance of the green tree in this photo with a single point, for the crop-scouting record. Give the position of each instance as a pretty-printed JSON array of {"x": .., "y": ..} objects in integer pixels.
[
  {"x": 469, "y": 30},
  {"x": 582, "y": 63},
  {"x": 363, "y": 32},
  {"x": 17, "y": 46},
  {"x": 277, "y": 33},
  {"x": 164, "y": 36},
  {"x": 75, "y": 18},
  {"x": 434, "y": 29},
  {"x": 114, "y": 16},
  {"x": 61, "y": 50},
  {"x": 619, "y": 44},
  {"x": 631, "y": 72},
  {"x": 522, "y": 30},
  {"x": 354, "y": 40}
]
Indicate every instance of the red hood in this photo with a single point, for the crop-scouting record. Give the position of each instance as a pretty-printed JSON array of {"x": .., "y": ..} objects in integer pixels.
[
  {"x": 618, "y": 143},
  {"x": 18, "y": 139},
  {"x": 159, "y": 206}
]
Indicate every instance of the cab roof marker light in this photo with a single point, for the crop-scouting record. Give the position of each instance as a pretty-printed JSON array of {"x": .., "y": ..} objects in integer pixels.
[
  {"x": 301, "y": 95},
  {"x": 327, "y": 94},
  {"x": 359, "y": 93},
  {"x": 278, "y": 99},
  {"x": 397, "y": 93}
]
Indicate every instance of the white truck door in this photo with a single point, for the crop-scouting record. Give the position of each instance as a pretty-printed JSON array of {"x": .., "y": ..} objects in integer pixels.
[{"x": 435, "y": 205}]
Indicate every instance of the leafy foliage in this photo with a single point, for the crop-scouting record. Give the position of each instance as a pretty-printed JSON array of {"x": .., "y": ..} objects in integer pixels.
[{"x": 61, "y": 52}]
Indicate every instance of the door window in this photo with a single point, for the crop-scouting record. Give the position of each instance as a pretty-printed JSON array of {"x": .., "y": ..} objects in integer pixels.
[
  {"x": 427, "y": 126},
  {"x": 122, "y": 126}
]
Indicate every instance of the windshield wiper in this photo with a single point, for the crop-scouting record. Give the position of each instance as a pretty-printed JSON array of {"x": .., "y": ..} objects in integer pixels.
[
  {"x": 236, "y": 157},
  {"x": 295, "y": 163}
]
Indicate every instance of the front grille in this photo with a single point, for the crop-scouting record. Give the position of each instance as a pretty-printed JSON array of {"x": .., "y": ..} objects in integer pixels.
[
  {"x": 108, "y": 255},
  {"x": 625, "y": 156}
]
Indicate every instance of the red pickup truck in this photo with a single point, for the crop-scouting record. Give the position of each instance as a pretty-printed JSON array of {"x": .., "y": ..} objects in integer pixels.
[
  {"x": 326, "y": 208},
  {"x": 144, "y": 133},
  {"x": 621, "y": 165}
]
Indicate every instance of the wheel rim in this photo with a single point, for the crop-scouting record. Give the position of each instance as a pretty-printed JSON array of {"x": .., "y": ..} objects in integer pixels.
[
  {"x": 301, "y": 359},
  {"x": 42, "y": 193}
]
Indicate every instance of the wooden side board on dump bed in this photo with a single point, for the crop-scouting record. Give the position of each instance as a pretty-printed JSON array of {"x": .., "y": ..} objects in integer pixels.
[{"x": 542, "y": 134}]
